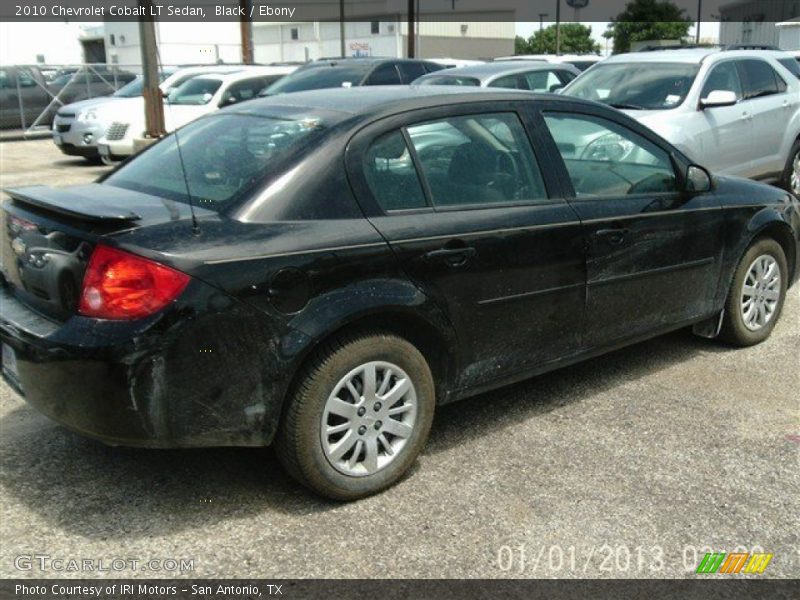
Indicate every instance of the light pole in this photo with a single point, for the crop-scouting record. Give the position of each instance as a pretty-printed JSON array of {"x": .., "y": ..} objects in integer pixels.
[
  {"x": 558, "y": 27},
  {"x": 699, "y": 20},
  {"x": 541, "y": 20}
]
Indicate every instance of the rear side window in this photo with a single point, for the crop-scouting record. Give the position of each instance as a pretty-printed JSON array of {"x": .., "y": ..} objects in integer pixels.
[
  {"x": 243, "y": 90},
  {"x": 792, "y": 65},
  {"x": 605, "y": 159},
  {"x": 410, "y": 71},
  {"x": 759, "y": 79},
  {"x": 477, "y": 160},
  {"x": 723, "y": 78},
  {"x": 543, "y": 81},
  {"x": 384, "y": 75},
  {"x": 391, "y": 174},
  {"x": 514, "y": 82}
]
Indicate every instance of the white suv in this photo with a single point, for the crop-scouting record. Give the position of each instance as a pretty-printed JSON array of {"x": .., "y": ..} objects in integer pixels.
[{"x": 736, "y": 112}]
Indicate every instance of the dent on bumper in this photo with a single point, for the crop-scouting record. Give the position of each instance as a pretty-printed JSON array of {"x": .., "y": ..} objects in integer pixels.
[{"x": 169, "y": 382}]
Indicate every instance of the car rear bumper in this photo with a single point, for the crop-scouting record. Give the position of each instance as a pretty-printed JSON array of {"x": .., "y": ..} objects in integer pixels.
[{"x": 146, "y": 383}]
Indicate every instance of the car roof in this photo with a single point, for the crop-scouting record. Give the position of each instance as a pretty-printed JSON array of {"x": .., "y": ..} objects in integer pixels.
[
  {"x": 369, "y": 60},
  {"x": 487, "y": 70},
  {"x": 386, "y": 99},
  {"x": 691, "y": 55},
  {"x": 246, "y": 74}
]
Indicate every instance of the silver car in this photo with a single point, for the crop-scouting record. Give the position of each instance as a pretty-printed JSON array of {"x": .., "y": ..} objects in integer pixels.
[
  {"x": 536, "y": 76},
  {"x": 736, "y": 112}
]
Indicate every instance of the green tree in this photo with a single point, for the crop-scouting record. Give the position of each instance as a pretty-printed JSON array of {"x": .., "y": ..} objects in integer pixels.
[
  {"x": 644, "y": 20},
  {"x": 575, "y": 39}
]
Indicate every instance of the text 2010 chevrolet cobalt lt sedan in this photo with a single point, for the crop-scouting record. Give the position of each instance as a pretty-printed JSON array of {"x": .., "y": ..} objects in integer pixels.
[{"x": 322, "y": 270}]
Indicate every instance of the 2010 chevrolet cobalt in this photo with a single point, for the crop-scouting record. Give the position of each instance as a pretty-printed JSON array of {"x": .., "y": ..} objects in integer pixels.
[{"x": 321, "y": 270}]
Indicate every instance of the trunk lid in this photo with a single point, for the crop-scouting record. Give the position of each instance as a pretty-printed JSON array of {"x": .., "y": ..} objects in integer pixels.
[{"x": 48, "y": 234}]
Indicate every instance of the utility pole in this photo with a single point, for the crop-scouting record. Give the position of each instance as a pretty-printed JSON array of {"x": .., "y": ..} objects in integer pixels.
[
  {"x": 341, "y": 28},
  {"x": 411, "y": 29},
  {"x": 246, "y": 29},
  {"x": 699, "y": 20},
  {"x": 558, "y": 27},
  {"x": 541, "y": 20},
  {"x": 153, "y": 99}
]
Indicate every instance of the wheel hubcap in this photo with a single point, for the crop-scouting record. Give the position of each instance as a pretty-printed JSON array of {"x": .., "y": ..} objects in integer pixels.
[
  {"x": 368, "y": 418},
  {"x": 760, "y": 292},
  {"x": 795, "y": 177}
]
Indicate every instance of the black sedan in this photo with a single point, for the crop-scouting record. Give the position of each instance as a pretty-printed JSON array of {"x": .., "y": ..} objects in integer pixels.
[{"x": 321, "y": 270}]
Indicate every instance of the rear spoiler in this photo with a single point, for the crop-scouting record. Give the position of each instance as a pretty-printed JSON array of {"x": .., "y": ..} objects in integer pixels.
[{"x": 65, "y": 202}]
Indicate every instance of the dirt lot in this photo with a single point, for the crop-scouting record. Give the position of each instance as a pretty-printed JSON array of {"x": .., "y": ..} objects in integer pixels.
[{"x": 630, "y": 465}]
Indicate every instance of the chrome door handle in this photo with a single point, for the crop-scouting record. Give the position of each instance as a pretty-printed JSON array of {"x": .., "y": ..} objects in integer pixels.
[
  {"x": 613, "y": 236},
  {"x": 455, "y": 257}
]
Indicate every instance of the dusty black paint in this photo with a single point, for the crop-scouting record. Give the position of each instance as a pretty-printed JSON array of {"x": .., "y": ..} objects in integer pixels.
[{"x": 271, "y": 279}]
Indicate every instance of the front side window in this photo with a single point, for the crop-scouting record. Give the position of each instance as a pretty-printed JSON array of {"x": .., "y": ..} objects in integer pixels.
[
  {"x": 759, "y": 79},
  {"x": 225, "y": 157},
  {"x": 477, "y": 160},
  {"x": 243, "y": 90},
  {"x": 462, "y": 80},
  {"x": 604, "y": 158},
  {"x": 513, "y": 82},
  {"x": 636, "y": 86},
  {"x": 723, "y": 78}
]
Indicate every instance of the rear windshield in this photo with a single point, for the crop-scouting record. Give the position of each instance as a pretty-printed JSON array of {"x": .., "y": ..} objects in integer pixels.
[
  {"x": 195, "y": 91},
  {"x": 316, "y": 78},
  {"x": 636, "y": 85},
  {"x": 449, "y": 80},
  {"x": 225, "y": 157}
]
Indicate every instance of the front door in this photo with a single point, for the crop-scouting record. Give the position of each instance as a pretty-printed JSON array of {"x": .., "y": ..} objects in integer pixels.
[
  {"x": 652, "y": 252},
  {"x": 466, "y": 208}
]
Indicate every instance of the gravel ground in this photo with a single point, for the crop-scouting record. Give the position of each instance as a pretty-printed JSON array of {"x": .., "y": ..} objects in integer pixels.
[{"x": 630, "y": 465}]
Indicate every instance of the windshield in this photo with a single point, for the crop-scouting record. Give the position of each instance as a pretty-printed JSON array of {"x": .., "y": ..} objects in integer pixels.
[
  {"x": 636, "y": 86},
  {"x": 196, "y": 91},
  {"x": 316, "y": 78},
  {"x": 135, "y": 88},
  {"x": 449, "y": 80},
  {"x": 225, "y": 156}
]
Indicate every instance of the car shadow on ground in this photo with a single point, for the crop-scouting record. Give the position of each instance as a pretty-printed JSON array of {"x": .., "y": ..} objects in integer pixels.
[{"x": 86, "y": 488}]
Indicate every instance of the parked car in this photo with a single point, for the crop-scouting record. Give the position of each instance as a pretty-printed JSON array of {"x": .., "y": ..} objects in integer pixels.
[
  {"x": 533, "y": 76},
  {"x": 204, "y": 89},
  {"x": 452, "y": 63},
  {"x": 78, "y": 127},
  {"x": 278, "y": 273},
  {"x": 735, "y": 111},
  {"x": 352, "y": 72},
  {"x": 90, "y": 81},
  {"x": 23, "y": 96},
  {"x": 579, "y": 61}
]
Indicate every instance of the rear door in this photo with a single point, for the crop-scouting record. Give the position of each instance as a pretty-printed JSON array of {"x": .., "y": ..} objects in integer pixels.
[
  {"x": 475, "y": 219},
  {"x": 652, "y": 252},
  {"x": 770, "y": 107}
]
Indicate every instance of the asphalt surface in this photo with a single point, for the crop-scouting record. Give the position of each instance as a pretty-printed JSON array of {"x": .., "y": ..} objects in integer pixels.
[{"x": 631, "y": 465}]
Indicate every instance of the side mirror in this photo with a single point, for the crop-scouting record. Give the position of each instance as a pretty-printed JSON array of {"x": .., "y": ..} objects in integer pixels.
[
  {"x": 719, "y": 98},
  {"x": 698, "y": 180}
]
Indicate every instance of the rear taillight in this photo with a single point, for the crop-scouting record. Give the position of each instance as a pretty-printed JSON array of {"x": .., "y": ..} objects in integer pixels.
[{"x": 120, "y": 285}]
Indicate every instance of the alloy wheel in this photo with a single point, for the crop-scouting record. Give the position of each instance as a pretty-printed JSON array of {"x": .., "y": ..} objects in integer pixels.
[
  {"x": 760, "y": 292},
  {"x": 368, "y": 418}
]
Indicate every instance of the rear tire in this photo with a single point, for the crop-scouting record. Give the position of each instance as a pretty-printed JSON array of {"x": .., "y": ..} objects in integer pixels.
[
  {"x": 790, "y": 179},
  {"x": 757, "y": 294},
  {"x": 358, "y": 417}
]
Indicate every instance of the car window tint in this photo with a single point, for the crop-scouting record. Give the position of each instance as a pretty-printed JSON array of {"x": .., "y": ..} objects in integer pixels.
[
  {"x": 391, "y": 175},
  {"x": 243, "y": 90},
  {"x": 514, "y": 82},
  {"x": 758, "y": 78},
  {"x": 477, "y": 159},
  {"x": 792, "y": 65},
  {"x": 565, "y": 76},
  {"x": 542, "y": 81},
  {"x": 410, "y": 71},
  {"x": 725, "y": 78},
  {"x": 384, "y": 75},
  {"x": 604, "y": 158}
]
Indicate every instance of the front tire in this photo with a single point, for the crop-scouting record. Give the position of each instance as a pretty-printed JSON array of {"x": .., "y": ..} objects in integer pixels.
[
  {"x": 358, "y": 417},
  {"x": 756, "y": 296}
]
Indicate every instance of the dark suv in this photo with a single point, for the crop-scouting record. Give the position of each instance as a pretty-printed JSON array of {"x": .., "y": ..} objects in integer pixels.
[{"x": 352, "y": 72}]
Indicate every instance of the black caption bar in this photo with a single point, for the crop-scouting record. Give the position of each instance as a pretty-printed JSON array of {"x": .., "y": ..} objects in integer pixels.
[
  {"x": 367, "y": 10},
  {"x": 387, "y": 589}
]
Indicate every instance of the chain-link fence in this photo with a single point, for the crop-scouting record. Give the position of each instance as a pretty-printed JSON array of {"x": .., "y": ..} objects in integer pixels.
[{"x": 30, "y": 95}]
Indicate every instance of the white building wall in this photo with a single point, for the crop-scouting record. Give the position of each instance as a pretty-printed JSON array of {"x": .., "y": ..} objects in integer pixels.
[
  {"x": 789, "y": 38},
  {"x": 22, "y": 42}
]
